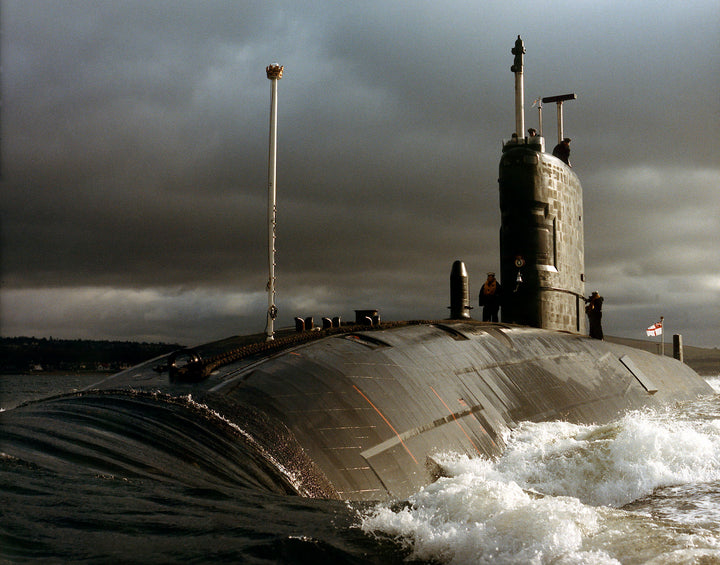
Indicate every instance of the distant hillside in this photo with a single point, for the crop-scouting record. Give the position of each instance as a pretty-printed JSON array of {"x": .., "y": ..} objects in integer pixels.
[
  {"x": 704, "y": 361},
  {"x": 24, "y": 354}
]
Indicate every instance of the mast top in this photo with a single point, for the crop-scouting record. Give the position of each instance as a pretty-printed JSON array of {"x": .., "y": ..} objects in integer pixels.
[
  {"x": 274, "y": 71},
  {"x": 560, "y": 98},
  {"x": 518, "y": 51}
]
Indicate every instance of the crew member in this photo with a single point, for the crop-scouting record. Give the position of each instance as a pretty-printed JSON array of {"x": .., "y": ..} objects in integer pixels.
[
  {"x": 593, "y": 309},
  {"x": 562, "y": 151},
  {"x": 532, "y": 132},
  {"x": 490, "y": 298}
]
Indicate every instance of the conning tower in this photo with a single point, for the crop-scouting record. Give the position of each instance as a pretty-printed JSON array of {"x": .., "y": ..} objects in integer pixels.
[{"x": 542, "y": 257}]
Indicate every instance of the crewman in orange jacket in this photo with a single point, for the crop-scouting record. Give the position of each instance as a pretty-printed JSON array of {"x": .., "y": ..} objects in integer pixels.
[{"x": 490, "y": 298}]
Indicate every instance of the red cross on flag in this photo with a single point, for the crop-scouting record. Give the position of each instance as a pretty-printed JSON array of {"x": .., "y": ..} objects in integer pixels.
[{"x": 655, "y": 329}]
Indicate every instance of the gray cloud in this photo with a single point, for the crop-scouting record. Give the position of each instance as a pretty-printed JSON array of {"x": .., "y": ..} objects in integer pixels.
[{"x": 135, "y": 158}]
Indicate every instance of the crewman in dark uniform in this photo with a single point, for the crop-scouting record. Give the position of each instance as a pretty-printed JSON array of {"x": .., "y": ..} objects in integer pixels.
[
  {"x": 562, "y": 151},
  {"x": 593, "y": 309},
  {"x": 490, "y": 298}
]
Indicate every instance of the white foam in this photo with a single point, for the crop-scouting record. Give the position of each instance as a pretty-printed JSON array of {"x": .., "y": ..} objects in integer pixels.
[
  {"x": 555, "y": 493},
  {"x": 615, "y": 463},
  {"x": 475, "y": 519}
]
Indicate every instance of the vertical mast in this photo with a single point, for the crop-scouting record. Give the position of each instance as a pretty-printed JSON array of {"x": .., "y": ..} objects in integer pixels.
[
  {"x": 274, "y": 73},
  {"x": 540, "y": 125},
  {"x": 517, "y": 68}
]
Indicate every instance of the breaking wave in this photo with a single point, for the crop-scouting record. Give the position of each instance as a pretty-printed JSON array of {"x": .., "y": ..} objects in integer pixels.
[{"x": 565, "y": 493}]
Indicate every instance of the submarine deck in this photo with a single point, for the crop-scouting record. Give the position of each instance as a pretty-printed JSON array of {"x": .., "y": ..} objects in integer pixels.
[{"x": 358, "y": 413}]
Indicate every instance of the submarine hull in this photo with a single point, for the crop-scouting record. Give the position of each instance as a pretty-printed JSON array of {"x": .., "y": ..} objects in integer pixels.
[{"x": 360, "y": 415}]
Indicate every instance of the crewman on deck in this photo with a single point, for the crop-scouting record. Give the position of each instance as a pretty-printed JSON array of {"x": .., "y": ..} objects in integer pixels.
[
  {"x": 593, "y": 309},
  {"x": 490, "y": 298},
  {"x": 562, "y": 151}
]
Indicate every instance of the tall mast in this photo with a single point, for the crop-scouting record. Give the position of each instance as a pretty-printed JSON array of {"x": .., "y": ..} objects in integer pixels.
[
  {"x": 517, "y": 68},
  {"x": 274, "y": 73}
]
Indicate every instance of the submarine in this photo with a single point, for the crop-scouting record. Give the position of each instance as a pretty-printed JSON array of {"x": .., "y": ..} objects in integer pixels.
[{"x": 360, "y": 411}]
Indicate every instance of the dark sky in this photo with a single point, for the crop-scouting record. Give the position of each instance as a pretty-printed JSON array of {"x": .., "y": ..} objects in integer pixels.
[{"x": 135, "y": 142}]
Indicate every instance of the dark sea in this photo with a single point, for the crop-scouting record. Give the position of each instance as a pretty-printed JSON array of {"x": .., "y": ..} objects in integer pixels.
[{"x": 97, "y": 486}]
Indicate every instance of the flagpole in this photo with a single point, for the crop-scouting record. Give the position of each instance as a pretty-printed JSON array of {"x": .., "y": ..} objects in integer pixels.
[{"x": 662, "y": 333}]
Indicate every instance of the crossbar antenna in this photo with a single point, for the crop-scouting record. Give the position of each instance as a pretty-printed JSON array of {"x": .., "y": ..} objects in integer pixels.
[{"x": 559, "y": 101}]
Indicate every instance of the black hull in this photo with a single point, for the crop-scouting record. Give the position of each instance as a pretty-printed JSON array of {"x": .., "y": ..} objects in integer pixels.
[{"x": 359, "y": 415}]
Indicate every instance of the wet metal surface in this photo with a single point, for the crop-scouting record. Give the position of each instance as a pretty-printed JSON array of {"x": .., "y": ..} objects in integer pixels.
[{"x": 369, "y": 409}]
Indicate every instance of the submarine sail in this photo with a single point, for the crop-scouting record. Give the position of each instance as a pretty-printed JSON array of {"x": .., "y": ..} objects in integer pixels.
[{"x": 542, "y": 255}]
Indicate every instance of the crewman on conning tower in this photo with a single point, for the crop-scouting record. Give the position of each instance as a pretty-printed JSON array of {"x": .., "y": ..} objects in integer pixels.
[{"x": 562, "y": 151}]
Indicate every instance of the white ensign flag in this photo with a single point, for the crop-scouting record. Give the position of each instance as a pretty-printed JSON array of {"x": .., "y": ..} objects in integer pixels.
[{"x": 655, "y": 329}]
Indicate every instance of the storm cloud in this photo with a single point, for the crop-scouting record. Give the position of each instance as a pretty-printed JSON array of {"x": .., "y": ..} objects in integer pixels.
[{"x": 134, "y": 158}]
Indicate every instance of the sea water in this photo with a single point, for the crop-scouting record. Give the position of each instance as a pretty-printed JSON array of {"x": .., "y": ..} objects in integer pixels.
[{"x": 642, "y": 489}]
